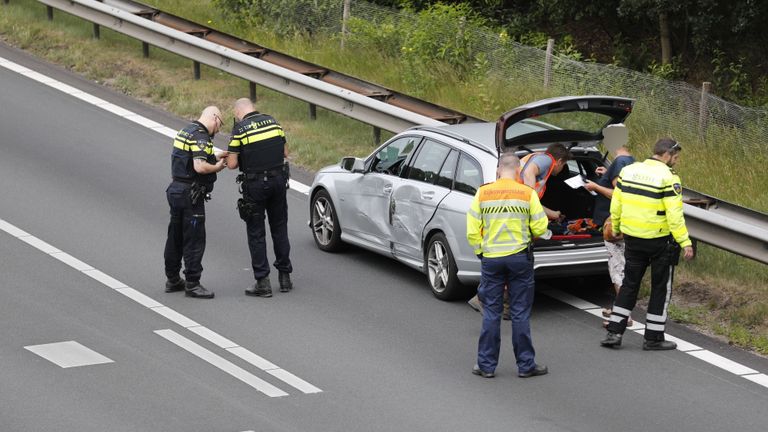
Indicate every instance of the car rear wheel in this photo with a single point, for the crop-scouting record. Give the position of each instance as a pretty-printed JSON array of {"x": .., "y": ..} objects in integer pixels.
[
  {"x": 441, "y": 269},
  {"x": 325, "y": 223}
]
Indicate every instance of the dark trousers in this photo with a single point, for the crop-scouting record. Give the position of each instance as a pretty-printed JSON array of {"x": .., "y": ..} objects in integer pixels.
[
  {"x": 186, "y": 234},
  {"x": 269, "y": 196},
  {"x": 515, "y": 271},
  {"x": 661, "y": 255}
]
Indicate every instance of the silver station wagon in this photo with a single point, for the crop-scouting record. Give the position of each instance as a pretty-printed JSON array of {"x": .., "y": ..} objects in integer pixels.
[{"x": 408, "y": 199}]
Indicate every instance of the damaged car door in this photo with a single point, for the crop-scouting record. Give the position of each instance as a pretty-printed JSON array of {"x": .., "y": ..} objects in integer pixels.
[{"x": 416, "y": 198}]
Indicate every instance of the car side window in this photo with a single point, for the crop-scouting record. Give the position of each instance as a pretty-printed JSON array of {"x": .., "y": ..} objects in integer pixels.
[
  {"x": 391, "y": 158},
  {"x": 469, "y": 175},
  {"x": 448, "y": 171},
  {"x": 429, "y": 160}
]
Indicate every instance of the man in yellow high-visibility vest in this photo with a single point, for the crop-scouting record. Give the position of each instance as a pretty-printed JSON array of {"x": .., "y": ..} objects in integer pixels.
[
  {"x": 647, "y": 207},
  {"x": 502, "y": 221}
]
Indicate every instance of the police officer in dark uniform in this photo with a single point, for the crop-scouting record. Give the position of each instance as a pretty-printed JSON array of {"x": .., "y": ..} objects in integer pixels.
[
  {"x": 258, "y": 149},
  {"x": 193, "y": 166}
]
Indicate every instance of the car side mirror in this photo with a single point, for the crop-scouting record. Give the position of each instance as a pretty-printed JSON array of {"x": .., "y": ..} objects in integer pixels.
[{"x": 353, "y": 164}]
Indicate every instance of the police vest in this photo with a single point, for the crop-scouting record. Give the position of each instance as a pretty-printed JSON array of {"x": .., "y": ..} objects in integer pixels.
[
  {"x": 541, "y": 184},
  {"x": 648, "y": 202},
  {"x": 192, "y": 142},
  {"x": 260, "y": 142},
  {"x": 503, "y": 218}
]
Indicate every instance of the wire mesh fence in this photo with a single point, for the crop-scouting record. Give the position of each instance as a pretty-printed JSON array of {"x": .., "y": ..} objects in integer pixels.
[{"x": 664, "y": 107}]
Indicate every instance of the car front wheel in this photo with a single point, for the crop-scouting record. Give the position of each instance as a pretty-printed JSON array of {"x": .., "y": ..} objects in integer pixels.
[
  {"x": 441, "y": 269},
  {"x": 325, "y": 223}
]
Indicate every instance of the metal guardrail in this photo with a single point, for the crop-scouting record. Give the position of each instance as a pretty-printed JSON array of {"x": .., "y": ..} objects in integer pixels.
[
  {"x": 291, "y": 83},
  {"x": 721, "y": 224}
]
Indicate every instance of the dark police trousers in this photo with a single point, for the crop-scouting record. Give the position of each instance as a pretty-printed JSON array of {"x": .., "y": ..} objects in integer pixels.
[
  {"x": 662, "y": 255},
  {"x": 268, "y": 193},
  {"x": 186, "y": 234},
  {"x": 515, "y": 271}
]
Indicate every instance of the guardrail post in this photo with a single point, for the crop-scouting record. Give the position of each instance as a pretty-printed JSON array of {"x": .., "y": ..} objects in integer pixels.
[
  {"x": 49, "y": 12},
  {"x": 196, "y": 67},
  {"x": 96, "y": 31},
  {"x": 6, "y": 1},
  {"x": 252, "y": 91},
  {"x": 145, "y": 49},
  {"x": 376, "y": 135},
  {"x": 548, "y": 62},
  {"x": 706, "y": 87},
  {"x": 312, "y": 112}
]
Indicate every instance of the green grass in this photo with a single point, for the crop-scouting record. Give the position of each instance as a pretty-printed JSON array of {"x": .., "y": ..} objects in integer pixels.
[{"x": 719, "y": 291}]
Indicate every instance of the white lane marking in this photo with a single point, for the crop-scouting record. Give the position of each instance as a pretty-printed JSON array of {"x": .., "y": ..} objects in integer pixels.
[
  {"x": 722, "y": 362},
  {"x": 105, "y": 279},
  {"x": 222, "y": 363},
  {"x": 153, "y": 305},
  {"x": 110, "y": 107},
  {"x": 761, "y": 379},
  {"x": 39, "y": 244},
  {"x": 12, "y": 230},
  {"x": 570, "y": 299},
  {"x": 253, "y": 359},
  {"x": 212, "y": 336},
  {"x": 687, "y": 347},
  {"x": 139, "y": 297},
  {"x": 293, "y": 380},
  {"x": 175, "y": 316},
  {"x": 68, "y": 354},
  {"x": 71, "y": 261}
]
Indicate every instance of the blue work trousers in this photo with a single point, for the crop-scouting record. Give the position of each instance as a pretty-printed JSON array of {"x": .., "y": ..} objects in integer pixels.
[
  {"x": 269, "y": 196},
  {"x": 515, "y": 271}
]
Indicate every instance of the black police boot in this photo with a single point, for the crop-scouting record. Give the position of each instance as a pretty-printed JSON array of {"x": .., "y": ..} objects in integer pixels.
[
  {"x": 174, "y": 285},
  {"x": 262, "y": 288},
  {"x": 285, "y": 282},
  {"x": 612, "y": 340},
  {"x": 195, "y": 290},
  {"x": 662, "y": 345}
]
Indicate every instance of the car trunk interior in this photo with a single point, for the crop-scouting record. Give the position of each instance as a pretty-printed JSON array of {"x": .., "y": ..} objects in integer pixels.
[{"x": 575, "y": 204}]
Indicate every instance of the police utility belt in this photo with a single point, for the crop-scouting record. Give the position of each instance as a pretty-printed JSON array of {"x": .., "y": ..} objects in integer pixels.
[
  {"x": 197, "y": 191},
  {"x": 260, "y": 174}
]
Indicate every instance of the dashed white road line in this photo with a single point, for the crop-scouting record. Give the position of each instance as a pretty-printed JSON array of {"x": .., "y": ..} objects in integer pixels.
[
  {"x": 254, "y": 359},
  {"x": 222, "y": 363}
]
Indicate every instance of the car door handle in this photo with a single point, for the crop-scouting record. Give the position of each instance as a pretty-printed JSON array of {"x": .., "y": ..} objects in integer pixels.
[
  {"x": 428, "y": 195},
  {"x": 388, "y": 189}
]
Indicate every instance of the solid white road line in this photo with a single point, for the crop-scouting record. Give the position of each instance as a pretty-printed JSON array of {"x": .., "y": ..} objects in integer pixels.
[
  {"x": 105, "y": 279},
  {"x": 212, "y": 336},
  {"x": 221, "y": 363},
  {"x": 686, "y": 347}
]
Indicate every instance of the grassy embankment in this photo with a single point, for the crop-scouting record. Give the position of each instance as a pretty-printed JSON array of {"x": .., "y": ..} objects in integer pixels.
[{"x": 719, "y": 292}]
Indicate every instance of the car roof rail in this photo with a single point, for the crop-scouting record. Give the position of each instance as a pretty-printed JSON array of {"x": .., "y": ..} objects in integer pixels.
[{"x": 455, "y": 136}]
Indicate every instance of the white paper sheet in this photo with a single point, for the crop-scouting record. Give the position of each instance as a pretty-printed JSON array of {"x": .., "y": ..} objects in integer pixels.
[{"x": 576, "y": 182}]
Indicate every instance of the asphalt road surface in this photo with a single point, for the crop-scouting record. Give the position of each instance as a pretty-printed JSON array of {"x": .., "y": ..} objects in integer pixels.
[{"x": 90, "y": 342}]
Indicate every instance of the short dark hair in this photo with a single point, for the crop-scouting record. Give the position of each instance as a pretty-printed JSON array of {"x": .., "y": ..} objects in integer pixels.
[
  {"x": 558, "y": 151},
  {"x": 666, "y": 145}
]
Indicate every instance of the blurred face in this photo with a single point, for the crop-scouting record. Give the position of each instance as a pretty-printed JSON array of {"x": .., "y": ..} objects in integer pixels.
[
  {"x": 559, "y": 165},
  {"x": 673, "y": 158},
  {"x": 218, "y": 122}
]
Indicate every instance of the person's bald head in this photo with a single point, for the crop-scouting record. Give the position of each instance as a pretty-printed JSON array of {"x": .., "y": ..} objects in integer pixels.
[
  {"x": 508, "y": 165},
  {"x": 211, "y": 119},
  {"x": 242, "y": 107}
]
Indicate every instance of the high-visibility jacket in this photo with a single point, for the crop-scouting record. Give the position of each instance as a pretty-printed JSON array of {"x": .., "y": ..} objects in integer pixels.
[
  {"x": 260, "y": 142},
  {"x": 648, "y": 202},
  {"x": 540, "y": 186},
  {"x": 192, "y": 142},
  {"x": 503, "y": 218}
]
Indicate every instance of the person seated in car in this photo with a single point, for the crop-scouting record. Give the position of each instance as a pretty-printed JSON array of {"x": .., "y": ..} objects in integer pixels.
[{"x": 539, "y": 166}]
